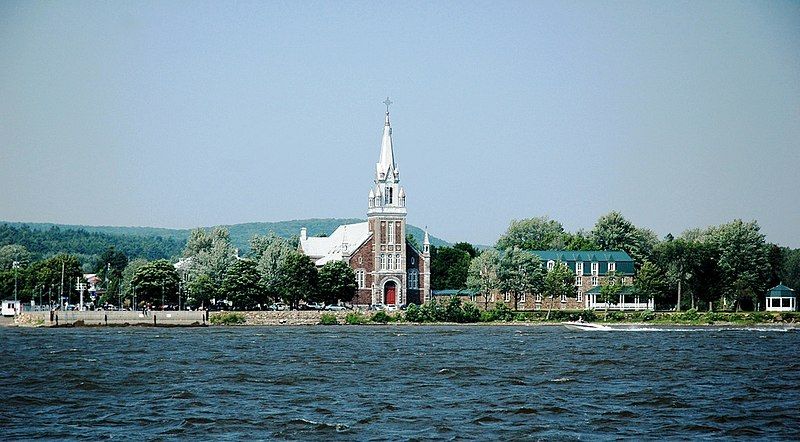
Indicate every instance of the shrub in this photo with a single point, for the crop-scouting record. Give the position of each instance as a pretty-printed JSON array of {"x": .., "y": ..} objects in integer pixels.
[
  {"x": 413, "y": 313},
  {"x": 471, "y": 313},
  {"x": 500, "y": 312},
  {"x": 452, "y": 311},
  {"x": 615, "y": 316},
  {"x": 228, "y": 318},
  {"x": 328, "y": 319},
  {"x": 355, "y": 318},
  {"x": 381, "y": 317},
  {"x": 644, "y": 316},
  {"x": 689, "y": 315}
]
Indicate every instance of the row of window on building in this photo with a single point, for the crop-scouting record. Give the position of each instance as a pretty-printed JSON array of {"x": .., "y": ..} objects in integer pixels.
[
  {"x": 522, "y": 298},
  {"x": 390, "y": 262},
  {"x": 413, "y": 278},
  {"x": 612, "y": 267}
]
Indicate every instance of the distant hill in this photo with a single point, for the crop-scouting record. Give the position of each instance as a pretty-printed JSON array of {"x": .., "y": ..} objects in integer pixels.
[{"x": 168, "y": 240}]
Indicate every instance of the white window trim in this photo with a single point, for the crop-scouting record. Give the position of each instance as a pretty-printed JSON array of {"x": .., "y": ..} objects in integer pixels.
[
  {"x": 578, "y": 281},
  {"x": 595, "y": 268},
  {"x": 550, "y": 265},
  {"x": 579, "y": 268},
  {"x": 612, "y": 267},
  {"x": 595, "y": 281}
]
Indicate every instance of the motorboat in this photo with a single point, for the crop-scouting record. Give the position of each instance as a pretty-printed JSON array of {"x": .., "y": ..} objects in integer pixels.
[{"x": 585, "y": 326}]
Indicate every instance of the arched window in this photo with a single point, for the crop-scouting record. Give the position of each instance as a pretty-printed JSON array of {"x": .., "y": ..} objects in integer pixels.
[
  {"x": 390, "y": 233},
  {"x": 413, "y": 279},
  {"x": 397, "y": 264},
  {"x": 360, "y": 278},
  {"x": 383, "y": 261}
]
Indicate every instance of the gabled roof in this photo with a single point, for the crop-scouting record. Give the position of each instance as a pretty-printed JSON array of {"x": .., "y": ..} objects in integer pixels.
[
  {"x": 583, "y": 255},
  {"x": 332, "y": 248}
]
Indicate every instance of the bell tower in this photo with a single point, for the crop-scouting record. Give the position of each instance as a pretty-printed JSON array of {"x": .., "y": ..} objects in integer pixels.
[{"x": 386, "y": 215}]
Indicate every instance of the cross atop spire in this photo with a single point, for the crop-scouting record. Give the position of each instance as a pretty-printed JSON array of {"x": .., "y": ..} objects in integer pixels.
[{"x": 388, "y": 103}]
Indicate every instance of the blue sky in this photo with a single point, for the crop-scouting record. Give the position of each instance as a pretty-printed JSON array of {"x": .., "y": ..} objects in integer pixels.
[{"x": 182, "y": 114}]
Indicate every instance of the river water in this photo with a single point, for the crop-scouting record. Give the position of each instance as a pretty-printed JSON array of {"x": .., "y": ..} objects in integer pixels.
[{"x": 398, "y": 383}]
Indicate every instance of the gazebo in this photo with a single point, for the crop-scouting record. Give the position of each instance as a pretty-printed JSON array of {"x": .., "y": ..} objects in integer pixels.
[{"x": 781, "y": 299}]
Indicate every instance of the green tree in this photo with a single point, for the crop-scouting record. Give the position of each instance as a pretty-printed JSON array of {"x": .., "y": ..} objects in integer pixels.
[
  {"x": 297, "y": 279},
  {"x": 558, "y": 282},
  {"x": 337, "y": 282},
  {"x": 209, "y": 253},
  {"x": 540, "y": 233},
  {"x": 157, "y": 282},
  {"x": 482, "y": 274},
  {"x": 47, "y": 274},
  {"x": 449, "y": 267},
  {"x": 743, "y": 261},
  {"x": 580, "y": 240},
  {"x": 466, "y": 247},
  {"x": 613, "y": 232},
  {"x": 520, "y": 272},
  {"x": 789, "y": 272},
  {"x": 242, "y": 285},
  {"x": 610, "y": 288},
  {"x": 202, "y": 290},
  {"x": 14, "y": 253},
  {"x": 270, "y": 252},
  {"x": 127, "y": 277},
  {"x": 650, "y": 283}
]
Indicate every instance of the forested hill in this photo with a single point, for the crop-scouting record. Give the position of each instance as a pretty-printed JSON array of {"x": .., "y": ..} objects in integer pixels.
[
  {"x": 151, "y": 242},
  {"x": 46, "y": 241}
]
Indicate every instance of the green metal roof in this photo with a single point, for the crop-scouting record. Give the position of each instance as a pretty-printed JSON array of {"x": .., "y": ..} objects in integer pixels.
[
  {"x": 453, "y": 292},
  {"x": 780, "y": 291},
  {"x": 583, "y": 255},
  {"x": 626, "y": 290}
]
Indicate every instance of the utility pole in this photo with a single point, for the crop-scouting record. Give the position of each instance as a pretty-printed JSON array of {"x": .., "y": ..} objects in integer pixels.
[
  {"x": 61, "y": 289},
  {"x": 15, "y": 266}
]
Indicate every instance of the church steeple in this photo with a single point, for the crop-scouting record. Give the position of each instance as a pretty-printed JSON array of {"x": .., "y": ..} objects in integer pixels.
[
  {"x": 386, "y": 166},
  {"x": 387, "y": 196}
]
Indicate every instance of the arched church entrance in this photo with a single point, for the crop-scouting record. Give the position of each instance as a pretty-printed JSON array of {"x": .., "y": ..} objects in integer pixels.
[{"x": 390, "y": 293}]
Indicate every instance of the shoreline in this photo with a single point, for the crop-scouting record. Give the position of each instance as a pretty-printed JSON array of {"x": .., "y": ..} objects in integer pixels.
[{"x": 618, "y": 320}]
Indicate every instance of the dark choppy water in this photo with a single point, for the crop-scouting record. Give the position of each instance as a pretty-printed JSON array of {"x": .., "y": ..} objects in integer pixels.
[{"x": 398, "y": 383}]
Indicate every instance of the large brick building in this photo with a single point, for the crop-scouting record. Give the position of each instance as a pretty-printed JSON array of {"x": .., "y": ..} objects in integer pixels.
[
  {"x": 388, "y": 269},
  {"x": 590, "y": 269}
]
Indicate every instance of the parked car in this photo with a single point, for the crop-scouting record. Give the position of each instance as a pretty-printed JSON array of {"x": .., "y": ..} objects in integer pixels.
[
  {"x": 335, "y": 308},
  {"x": 314, "y": 306},
  {"x": 377, "y": 307},
  {"x": 391, "y": 308},
  {"x": 278, "y": 306}
]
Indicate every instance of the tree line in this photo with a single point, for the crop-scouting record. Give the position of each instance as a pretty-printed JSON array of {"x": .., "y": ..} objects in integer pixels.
[
  {"x": 726, "y": 266},
  {"x": 729, "y": 266}
]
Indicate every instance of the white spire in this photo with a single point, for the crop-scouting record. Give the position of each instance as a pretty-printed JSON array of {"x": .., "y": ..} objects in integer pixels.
[
  {"x": 426, "y": 240},
  {"x": 386, "y": 161}
]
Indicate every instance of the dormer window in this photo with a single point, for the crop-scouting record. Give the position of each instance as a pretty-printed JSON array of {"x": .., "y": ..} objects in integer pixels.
[
  {"x": 594, "y": 268},
  {"x": 550, "y": 265},
  {"x": 612, "y": 267}
]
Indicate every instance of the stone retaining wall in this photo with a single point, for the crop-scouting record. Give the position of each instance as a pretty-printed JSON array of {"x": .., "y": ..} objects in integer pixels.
[
  {"x": 288, "y": 317},
  {"x": 93, "y": 318}
]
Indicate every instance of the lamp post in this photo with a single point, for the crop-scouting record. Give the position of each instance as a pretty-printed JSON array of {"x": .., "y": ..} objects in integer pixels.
[{"x": 15, "y": 266}]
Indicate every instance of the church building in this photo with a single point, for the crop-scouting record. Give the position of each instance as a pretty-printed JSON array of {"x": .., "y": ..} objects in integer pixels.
[{"x": 388, "y": 269}]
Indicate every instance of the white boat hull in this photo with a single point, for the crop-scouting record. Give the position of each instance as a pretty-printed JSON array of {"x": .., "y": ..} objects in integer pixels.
[{"x": 585, "y": 326}]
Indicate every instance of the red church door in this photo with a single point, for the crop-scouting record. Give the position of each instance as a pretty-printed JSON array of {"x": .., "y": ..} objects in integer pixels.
[{"x": 390, "y": 290}]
